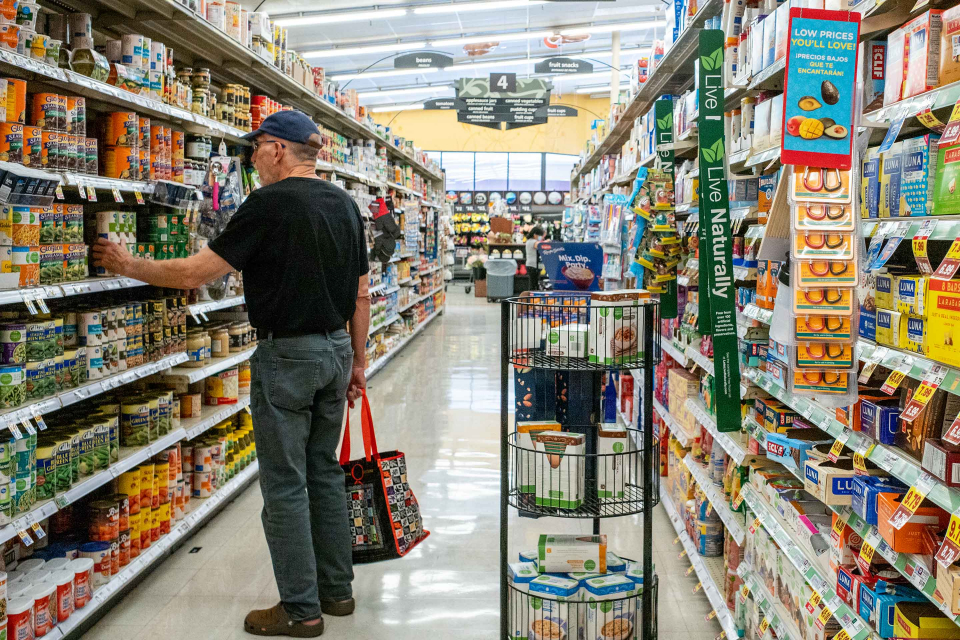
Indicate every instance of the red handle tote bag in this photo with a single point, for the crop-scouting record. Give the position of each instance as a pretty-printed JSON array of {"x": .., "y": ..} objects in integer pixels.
[{"x": 385, "y": 520}]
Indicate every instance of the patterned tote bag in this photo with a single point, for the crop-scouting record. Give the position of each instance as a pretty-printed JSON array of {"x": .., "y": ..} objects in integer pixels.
[{"x": 385, "y": 519}]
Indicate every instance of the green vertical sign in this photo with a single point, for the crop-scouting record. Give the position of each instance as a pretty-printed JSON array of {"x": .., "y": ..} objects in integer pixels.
[
  {"x": 663, "y": 116},
  {"x": 716, "y": 240}
]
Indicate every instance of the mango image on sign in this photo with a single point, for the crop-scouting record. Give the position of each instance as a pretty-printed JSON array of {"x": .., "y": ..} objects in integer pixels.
[
  {"x": 809, "y": 103},
  {"x": 811, "y": 129}
]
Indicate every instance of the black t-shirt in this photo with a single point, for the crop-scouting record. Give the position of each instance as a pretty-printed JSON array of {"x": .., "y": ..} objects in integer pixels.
[{"x": 301, "y": 247}]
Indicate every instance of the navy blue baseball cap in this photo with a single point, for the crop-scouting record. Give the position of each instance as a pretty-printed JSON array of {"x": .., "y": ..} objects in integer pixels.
[{"x": 295, "y": 126}]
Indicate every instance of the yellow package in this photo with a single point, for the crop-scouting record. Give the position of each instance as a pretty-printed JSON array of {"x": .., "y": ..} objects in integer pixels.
[
  {"x": 828, "y": 301},
  {"x": 824, "y": 354},
  {"x": 891, "y": 329},
  {"x": 825, "y": 381},
  {"x": 883, "y": 294},
  {"x": 823, "y": 244},
  {"x": 832, "y": 273},
  {"x": 814, "y": 327},
  {"x": 909, "y": 295}
]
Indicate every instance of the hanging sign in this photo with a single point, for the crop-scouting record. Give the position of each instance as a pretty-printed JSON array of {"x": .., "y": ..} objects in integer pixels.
[
  {"x": 663, "y": 121},
  {"x": 557, "y": 111},
  {"x": 440, "y": 104},
  {"x": 503, "y": 82},
  {"x": 717, "y": 282},
  {"x": 422, "y": 60},
  {"x": 559, "y": 64},
  {"x": 819, "y": 88},
  {"x": 572, "y": 266}
]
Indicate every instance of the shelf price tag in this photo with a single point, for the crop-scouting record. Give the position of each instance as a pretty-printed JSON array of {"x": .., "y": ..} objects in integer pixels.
[
  {"x": 25, "y": 421},
  {"x": 764, "y": 624},
  {"x": 697, "y": 587},
  {"x": 928, "y": 386},
  {"x": 825, "y": 615},
  {"x": 872, "y": 363},
  {"x": 40, "y": 421},
  {"x": 842, "y": 635},
  {"x": 952, "y": 434},
  {"x": 838, "y": 445},
  {"x": 869, "y": 546},
  {"x": 745, "y": 590},
  {"x": 894, "y": 129},
  {"x": 138, "y": 196},
  {"x": 15, "y": 430},
  {"x": 688, "y": 571},
  {"x": 91, "y": 194},
  {"x": 920, "y": 246},
  {"x": 25, "y": 537},
  {"x": 82, "y": 189},
  {"x": 897, "y": 375},
  {"x": 950, "y": 549},
  {"x": 754, "y": 526},
  {"x": 38, "y": 531},
  {"x": 920, "y": 575},
  {"x": 950, "y": 264},
  {"x": 838, "y": 526},
  {"x": 811, "y": 605},
  {"x": 926, "y": 117},
  {"x": 116, "y": 195},
  {"x": 951, "y": 132},
  {"x": 59, "y": 192},
  {"x": 911, "y": 502},
  {"x": 737, "y": 500},
  {"x": 28, "y": 301},
  {"x": 860, "y": 457}
]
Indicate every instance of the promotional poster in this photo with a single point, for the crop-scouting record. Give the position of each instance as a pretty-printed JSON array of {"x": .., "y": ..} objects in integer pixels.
[{"x": 572, "y": 266}]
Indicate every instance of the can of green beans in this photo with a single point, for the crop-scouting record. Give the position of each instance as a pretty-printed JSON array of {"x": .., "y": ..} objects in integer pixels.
[
  {"x": 135, "y": 422},
  {"x": 74, "y": 435},
  {"x": 86, "y": 450},
  {"x": 101, "y": 442},
  {"x": 46, "y": 471},
  {"x": 63, "y": 463}
]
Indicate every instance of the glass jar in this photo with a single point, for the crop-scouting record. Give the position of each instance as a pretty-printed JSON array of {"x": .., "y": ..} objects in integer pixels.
[
  {"x": 201, "y": 78},
  {"x": 236, "y": 337},
  {"x": 220, "y": 341},
  {"x": 196, "y": 349}
]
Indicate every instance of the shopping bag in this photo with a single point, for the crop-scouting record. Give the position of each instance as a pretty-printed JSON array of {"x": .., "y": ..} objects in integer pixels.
[{"x": 385, "y": 521}]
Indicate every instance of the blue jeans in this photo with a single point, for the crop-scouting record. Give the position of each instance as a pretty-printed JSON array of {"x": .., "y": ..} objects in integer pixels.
[{"x": 297, "y": 396}]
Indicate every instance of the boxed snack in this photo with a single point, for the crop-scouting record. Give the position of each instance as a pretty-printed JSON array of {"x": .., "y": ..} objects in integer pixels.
[
  {"x": 891, "y": 329},
  {"x": 555, "y": 614},
  {"x": 618, "y": 617},
  {"x": 908, "y": 538},
  {"x": 526, "y": 452},
  {"x": 950, "y": 46},
  {"x": 922, "y": 620},
  {"x": 883, "y": 294},
  {"x": 886, "y": 604},
  {"x": 948, "y": 584},
  {"x": 890, "y": 177},
  {"x": 769, "y": 40},
  {"x": 909, "y": 295},
  {"x": 933, "y": 419},
  {"x": 863, "y": 500},
  {"x": 895, "y": 67},
  {"x": 611, "y": 474},
  {"x": 790, "y": 448},
  {"x": 918, "y": 164},
  {"x": 778, "y": 417},
  {"x": 916, "y": 336},
  {"x": 615, "y": 327},
  {"x": 873, "y": 83},
  {"x": 922, "y": 36},
  {"x": 559, "y": 469},
  {"x": 870, "y": 184},
  {"x": 880, "y": 418},
  {"x": 568, "y": 340},
  {"x": 565, "y": 553},
  {"x": 832, "y": 482},
  {"x": 943, "y": 330},
  {"x": 942, "y": 460},
  {"x": 527, "y": 334},
  {"x": 946, "y": 196}
]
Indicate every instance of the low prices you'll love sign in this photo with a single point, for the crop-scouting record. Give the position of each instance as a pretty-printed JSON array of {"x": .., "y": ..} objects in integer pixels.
[{"x": 820, "y": 88}]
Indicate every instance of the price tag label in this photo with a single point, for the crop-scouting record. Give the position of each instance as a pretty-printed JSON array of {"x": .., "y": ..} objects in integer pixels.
[
  {"x": 894, "y": 130},
  {"x": 880, "y": 233},
  {"x": 754, "y": 526},
  {"x": 58, "y": 192},
  {"x": 764, "y": 624},
  {"x": 61, "y": 501},
  {"x": 950, "y": 264},
  {"x": 40, "y": 421},
  {"x": 737, "y": 499},
  {"x": 920, "y": 246},
  {"x": 823, "y": 618},
  {"x": 869, "y": 546},
  {"x": 41, "y": 303},
  {"x": 838, "y": 526},
  {"x": 25, "y": 537},
  {"x": 842, "y": 635},
  {"x": 688, "y": 571},
  {"x": 15, "y": 430},
  {"x": 91, "y": 194},
  {"x": 928, "y": 386},
  {"x": 838, "y": 445},
  {"x": 81, "y": 189},
  {"x": 952, "y": 434},
  {"x": 710, "y": 616},
  {"x": 38, "y": 531},
  {"x": 28, "y": 301},
  {"x": 138, "y": 196},
  {"x": 872, "y": 363},
  {"x": 745, "y": 591},
  {"x": 860, "y": 457},
  {"x": 681, "y": 554},
  {"x": 778, "y": 629},
  {"x": 28, "y": 427},
  {"x": 911, "y": 502},
  {"x": 813, "y": 602},
  {"x": 926, "y": 117},
  {"x": 920, "y": 575},
  {"x": 951, "y": 132},
  {"x": 697, "y": 587},
  {"x": 116, "y": 195},
  {"x": 897, "y": 375},
  {"x": 950, "y": 549}
]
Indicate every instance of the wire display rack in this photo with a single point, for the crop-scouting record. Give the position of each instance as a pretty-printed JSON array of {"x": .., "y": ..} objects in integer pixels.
[{"x": 572, "y": 342}]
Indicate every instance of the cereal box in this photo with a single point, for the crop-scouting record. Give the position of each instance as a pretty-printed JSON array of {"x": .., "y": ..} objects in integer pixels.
[
  {"x": 923, "y": 53},
  {"x": 555, "y": 614},
  {"x": 617, "y": 617},
  {"x": 565, "y": 553},
  {"x": 559, "y": 469}
]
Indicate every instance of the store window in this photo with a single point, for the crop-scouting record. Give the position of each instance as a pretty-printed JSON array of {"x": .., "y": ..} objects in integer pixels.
[
  {"x": 525, "y": 171},
  {"x": 459, "y": 168},
  {"x": 558, "y": 168},
  {"x": 490, "y": 173}
]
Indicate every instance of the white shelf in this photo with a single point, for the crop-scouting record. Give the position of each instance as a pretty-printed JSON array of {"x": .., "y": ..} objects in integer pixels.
[
  {"x": 733, "y": 521},
  {"x": 736, "y": 449},
  {"x": 211, "y": 415},
  {"x": 674, "y": 352},
  {"x": 424, "y": 272},
  {"x": 156, "y": 551},
  {"x": 108, "y": 184},
  {"x": 693, "y": 355},
  {"x": 216, "y": 366},
  {"x": 778, "y": 617},
  {"x": 675, "y": 428},
  {"x": 754, "y": 312},
  {"x": 383, "y": 360},
  {"x": 711, "y": 589},
  {"x": 383, "y": 325},
  {"x": 88, "y": 390},
  {"x": 420, "y": 299},
  {"x": 64, "y": 289},
  {"x": 202, "y": 308}
]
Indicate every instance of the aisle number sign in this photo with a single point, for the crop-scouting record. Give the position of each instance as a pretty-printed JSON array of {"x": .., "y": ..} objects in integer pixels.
[
  {"x": 949, "y": 551},
  {"x": 911, "y": 502},
  {"x": 717, "y": 281},
  {"x": 921, "y": 397},
  {"x": 820, "y": 82}
]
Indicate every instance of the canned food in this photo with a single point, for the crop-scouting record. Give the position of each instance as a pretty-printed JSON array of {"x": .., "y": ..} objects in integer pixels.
[
  {"x": 223, "y": 388},
  {"x": 46, "y": 471},
  {"x": 11, "y": 141},
  {"x": 50, "y": 150},
  {"x": 121, "y": 129},
  {"x": 8, "y": 10},
  {"x": 10, "y": 37},
  {"x": 51, "y": 263},
  {"x": 104, "y": 520},
  {"x": 13, "y": 343},
  {"x": 26, "y": 262},
  {"x": 143, "y": 132},
  {"x": 74, "y": 262},
  {"x": 32, "y": 147},
  {"x": 13, "y": 390},
  {"x": 76, "y": 120},
  {"x": 135, "y": 423},
  {"x": 121, "y": 162},
  {"x": 91, "y": 156},
  {"x": 16, "y": 92},
  {"x": 51, "y": 223},
  {"x": 25, "y": 225},
  {"x": 46, "y": 112},
  {"x": 99, "y": 552}
]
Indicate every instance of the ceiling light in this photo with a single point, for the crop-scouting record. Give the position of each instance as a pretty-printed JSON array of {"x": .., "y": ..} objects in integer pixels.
[
  {"x": 584, "y": 76},
  {"x": 383, "y": 74},
  {"x": 333, "y": 18},
  {"x": 610, "y": 28},
  {"x": 477, "y": 6},
  {"x": 494, "y": 63},
  {"x": 356, "y": 51},
  {"x": 396, "y": 107},
  {"x": 492, "y": 37},
  {"x": 403, "y": 92},
  {"x": 605, "y": 89}
]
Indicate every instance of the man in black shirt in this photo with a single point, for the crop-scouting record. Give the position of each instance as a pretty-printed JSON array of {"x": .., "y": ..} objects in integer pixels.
[{"x": 300, "y": 244}]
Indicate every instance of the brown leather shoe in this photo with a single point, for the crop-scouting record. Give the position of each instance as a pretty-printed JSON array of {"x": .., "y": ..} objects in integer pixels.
[
  {"x": 276, "y": 622},
  {"x": 338, "y": 607}
]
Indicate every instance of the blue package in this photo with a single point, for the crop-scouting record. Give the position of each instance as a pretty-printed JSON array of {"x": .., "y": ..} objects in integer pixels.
[
  {"x": 791, "y": 447},
  {"x": 880, "y": 421},
  {"x": 863, "y": 500},
  {"x": 886, "y": 606},
  {"x": 868, "y": 324}
]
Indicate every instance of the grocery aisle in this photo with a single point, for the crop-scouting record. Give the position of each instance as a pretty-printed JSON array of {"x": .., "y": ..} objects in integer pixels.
[{"x": 438, "y": 402}]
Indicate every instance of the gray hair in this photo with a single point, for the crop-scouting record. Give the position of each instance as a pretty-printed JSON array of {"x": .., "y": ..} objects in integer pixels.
[{"x": 302, "y": 152}]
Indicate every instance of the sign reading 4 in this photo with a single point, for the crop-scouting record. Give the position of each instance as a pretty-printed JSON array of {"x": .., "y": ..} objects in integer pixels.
[{"x": 503, "y": 82}]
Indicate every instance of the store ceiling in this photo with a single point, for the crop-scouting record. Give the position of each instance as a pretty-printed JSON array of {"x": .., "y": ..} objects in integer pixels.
[{"x": 366, "y": 37}]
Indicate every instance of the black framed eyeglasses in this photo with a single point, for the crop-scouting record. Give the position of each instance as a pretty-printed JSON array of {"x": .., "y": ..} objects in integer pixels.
[{"x": 258, "y": 143}]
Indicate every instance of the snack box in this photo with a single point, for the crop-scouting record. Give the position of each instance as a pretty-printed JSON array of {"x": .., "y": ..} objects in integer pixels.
[
  {"x": 615, "y": 564},
  {"x": 536, "y": 394},
  {"x": 890, "y": 177},
  {"x": 847, "y": 584},
  {"x": 873, "y": 82},
  {"x": 942, "y": 460},
  {"x": 909, "y": 295},
  {"x": 870, "y": 184},
  {"x": 568, "y": 340},
  {"x": 868, "y": 323},
  {"x": 617, "y": 615},
  {"x": 922, "y": 620},
  {"x": 943, "y": 332},
  {"x": 526, "y": 452},
  {"x": 521, "y": 574},
  {"x": 948, "y": 584},
  {"x": 615, "y": 327},
  {"x": 878, "y": 602},
  {"x": 950, "y": 46},
  {"x": 933, "y": 419},
  {"x": 922, "y": 35},
  {"x": 530, "y": 556},
  {"x": 559, "y": 469},
  {"x": 916, "y": 336},
  {"x": 845, "y": 547},
  {"x": 883, "y": 292},
  {"x": 891, "y": 329},
  {"x": 832, "y": 482},
  {"x": 554, "y": 615},
  {"x": 863, "y": 500},
  {"x": 946, "y": 196},
  {"x": 908, "y": 539},
  {"x": 919, "y": 163},
  {"x": 778, "y": 417},
  {"x": 790, "y": 448},
  {"x": 565, "y": 553},
  {"x": 611, "y": 479},
  {"x": 879, "y": 418},
  {"x": 527, "y": 334}
]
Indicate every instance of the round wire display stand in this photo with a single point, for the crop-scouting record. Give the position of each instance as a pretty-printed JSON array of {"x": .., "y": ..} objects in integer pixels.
[
  {"x": 571, "y": 332},
  {"x": 614, "y": 617},
  {"x": 549, "y": 475}
]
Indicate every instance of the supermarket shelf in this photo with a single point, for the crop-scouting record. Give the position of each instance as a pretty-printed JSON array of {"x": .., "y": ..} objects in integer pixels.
[
  {"x": 674, "y": 352},
  {"x": 379, "y": 364},
  {"x": 764, "y": 157},
  {"x": 710, "y": 587},
  {"x": 891, "y": 360},
  {"x": 677, "y": 431},
  {"x": 216, "y": 366},
  {"x": 209, "y": 416},
  {"x": 743, "y": 274},
  {"x": 420, "y": 299},
  {"x": 778, "y": 617},
  {"x": 78, "y": 84},
  {"x": 752, "y": 311},
  {"x": 106, "y": 184},
  {"x": 732, "y": 520},
  {"x": 65, "y": 398},
  {"x": 155, "y": 554},
  {"x": 353, "y": 174},
  {"x": 201, "y": 308},
  {"x": 377, "y": 289},
  {"x": 92, "y": 285},
  {"x": 424, "y": 272},
  {"x": 735, "y": 448},
  {"x": 403, "y": 189},
  {"x": 385, "y": 323},
  {"x": 694, "y": 355},
  {"x": 670, "y": 76},
  {"x": 813, "y": 570}
]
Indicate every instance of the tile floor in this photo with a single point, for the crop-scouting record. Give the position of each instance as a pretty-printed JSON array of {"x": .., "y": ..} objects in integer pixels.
[{"x": 438, "y": 401}]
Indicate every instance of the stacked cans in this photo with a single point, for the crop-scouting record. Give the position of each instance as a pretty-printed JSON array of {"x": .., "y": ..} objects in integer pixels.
[
  {"x": 55, "y": 136},
  {"x": 119, "y": 227},
  {"x": 120, "y": 145}
]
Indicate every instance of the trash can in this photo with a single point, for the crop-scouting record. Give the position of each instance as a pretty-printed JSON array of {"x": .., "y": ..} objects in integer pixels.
[{"x": 500, "y": 272}]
